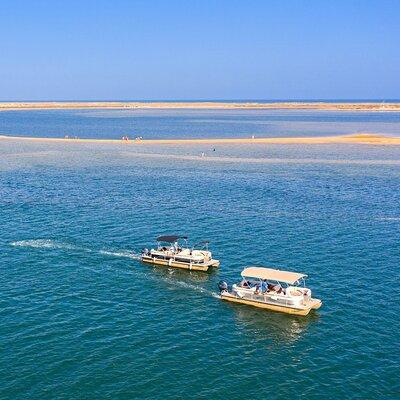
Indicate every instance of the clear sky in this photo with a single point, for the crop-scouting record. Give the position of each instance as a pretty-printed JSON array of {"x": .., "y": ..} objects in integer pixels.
[{"x": 216, "y": 49}]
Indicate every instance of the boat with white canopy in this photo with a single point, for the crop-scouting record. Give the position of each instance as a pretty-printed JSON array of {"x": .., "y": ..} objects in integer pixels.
[
  {"x": 272, "y": 289},
  {"x": 170, "y": 252}
]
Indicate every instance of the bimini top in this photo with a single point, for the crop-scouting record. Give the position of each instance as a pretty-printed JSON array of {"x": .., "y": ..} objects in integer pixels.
[
  {"x": 170, "y": 238},
  {"x": 272, "y": 274}
]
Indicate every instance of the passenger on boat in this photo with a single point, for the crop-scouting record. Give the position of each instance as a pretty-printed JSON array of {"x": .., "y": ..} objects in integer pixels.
[
  {"x": 274, "y": 288},
  {"x": 270, "y": 287},
  {"x": 264, "y": 286},
  {"x": 244, "y": 284}
]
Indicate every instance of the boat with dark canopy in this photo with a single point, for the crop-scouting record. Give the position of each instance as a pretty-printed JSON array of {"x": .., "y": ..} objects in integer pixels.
[{"x": 171, "y": 252}]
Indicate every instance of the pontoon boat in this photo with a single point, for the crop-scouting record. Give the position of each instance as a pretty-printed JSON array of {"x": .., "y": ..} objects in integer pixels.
[
  {"x": 275, "y": 290},
  {"x": 171, "y": 253}
]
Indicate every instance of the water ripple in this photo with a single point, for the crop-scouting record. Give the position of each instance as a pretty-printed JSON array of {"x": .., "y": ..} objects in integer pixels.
[{"x": 81, "y": 317}]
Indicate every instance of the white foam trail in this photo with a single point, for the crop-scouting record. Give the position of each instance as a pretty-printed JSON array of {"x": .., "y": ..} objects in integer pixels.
[
  {"x": 53, "y": 244},
  {"x": 389, "y": 219},
  {"x": 190, "y": 286},
  {"x": 45, "y": 244},
  {"x": 123, "y": 253}
]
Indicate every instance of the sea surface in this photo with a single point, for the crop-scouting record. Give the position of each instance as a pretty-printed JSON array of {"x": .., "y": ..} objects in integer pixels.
[
  {"x": 194, "y": 123},
  {"x": 81, "y": 317}
]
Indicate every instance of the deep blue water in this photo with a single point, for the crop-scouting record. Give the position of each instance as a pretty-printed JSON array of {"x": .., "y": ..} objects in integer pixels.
[
  {"x": 82, "y": 318},
  {"x": 158, "y": 124}
]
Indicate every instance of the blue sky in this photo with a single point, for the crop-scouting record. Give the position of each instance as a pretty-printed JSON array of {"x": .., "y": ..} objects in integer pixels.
[{"x": 111, "y": 50}]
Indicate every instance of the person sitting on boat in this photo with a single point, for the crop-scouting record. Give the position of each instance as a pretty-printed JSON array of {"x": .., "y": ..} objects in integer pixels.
[
  {"x": 271, "y": 287},
  {"x": 276, "y": 288},
  {"x": 244, "y": 284},
  {"x": 280, "y": 290}
]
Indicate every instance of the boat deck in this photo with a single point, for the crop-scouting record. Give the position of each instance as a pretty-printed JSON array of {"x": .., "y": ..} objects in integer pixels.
[
  {"x": 171, "y": 262},
  {"x": 302, "y": 310}
]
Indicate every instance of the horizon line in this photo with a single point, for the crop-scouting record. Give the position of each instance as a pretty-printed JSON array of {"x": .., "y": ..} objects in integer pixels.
[{"x": 204, "y": 100}]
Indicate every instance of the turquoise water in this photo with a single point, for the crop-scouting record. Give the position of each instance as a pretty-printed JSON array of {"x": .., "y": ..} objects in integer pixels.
[
  {"x": 158, "y": 124},
  {"x": 82, "y": 318}
]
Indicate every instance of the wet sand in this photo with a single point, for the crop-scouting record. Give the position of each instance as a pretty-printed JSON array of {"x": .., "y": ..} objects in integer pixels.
[
  {"x": 357, "y": 106},
  {"x": 371, "y": 139}
]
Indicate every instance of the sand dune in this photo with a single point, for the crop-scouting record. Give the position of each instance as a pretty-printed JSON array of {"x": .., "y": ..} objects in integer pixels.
[
  {"x": 373, "y": 139},
  {"x": 359, "y": 106}
]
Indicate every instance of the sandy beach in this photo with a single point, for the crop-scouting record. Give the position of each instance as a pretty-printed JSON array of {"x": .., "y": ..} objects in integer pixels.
[
  {"x": 327, "y": 106},
  {"x": 371, "y": 139}
]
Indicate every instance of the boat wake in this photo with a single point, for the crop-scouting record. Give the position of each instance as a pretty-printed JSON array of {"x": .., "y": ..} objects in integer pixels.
[
  {"x": 190, "y": 286},
  {"x": 388, "y": 219},
  {"x": 123, "y": 253},
  {"x": 46, "y": 244},
  {"x": 56, "y": 245}
]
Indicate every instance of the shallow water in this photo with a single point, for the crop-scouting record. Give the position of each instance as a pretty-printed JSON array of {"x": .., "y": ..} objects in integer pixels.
[
  {"x": 192, "y": 123},
  {"x": 82, "y": 318}
]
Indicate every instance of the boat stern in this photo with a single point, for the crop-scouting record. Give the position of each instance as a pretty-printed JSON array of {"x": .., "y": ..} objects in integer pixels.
[{"x": 316, "y": 303}]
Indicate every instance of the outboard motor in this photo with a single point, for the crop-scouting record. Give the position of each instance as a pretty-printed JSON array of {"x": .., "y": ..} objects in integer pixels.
[{"x": 222, "y": 286}]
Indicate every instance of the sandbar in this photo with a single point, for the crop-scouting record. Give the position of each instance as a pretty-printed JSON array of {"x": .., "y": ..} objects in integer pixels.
[
  {"x": 254, "y": 105},
  {"x": 366, "y": 138}
]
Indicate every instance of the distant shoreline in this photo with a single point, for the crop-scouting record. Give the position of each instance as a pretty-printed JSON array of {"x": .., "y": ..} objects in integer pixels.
[
  {"x": 372, "y": 139},
  {"x": 327, "y": 106}
]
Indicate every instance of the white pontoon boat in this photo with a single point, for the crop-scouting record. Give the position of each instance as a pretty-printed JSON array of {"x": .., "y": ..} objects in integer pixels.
[
  {"x": 171, "y": 253},
  {"x": 275, "y": 290}
]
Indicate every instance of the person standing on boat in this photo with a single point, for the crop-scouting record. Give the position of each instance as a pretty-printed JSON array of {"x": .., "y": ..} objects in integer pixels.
[{"x": 264, "y": 286}]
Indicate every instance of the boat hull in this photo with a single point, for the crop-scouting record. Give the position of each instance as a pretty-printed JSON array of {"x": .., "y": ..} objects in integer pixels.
[
  {"x": 314, "y": 304},
  {"x": 179, "y": 264}
]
